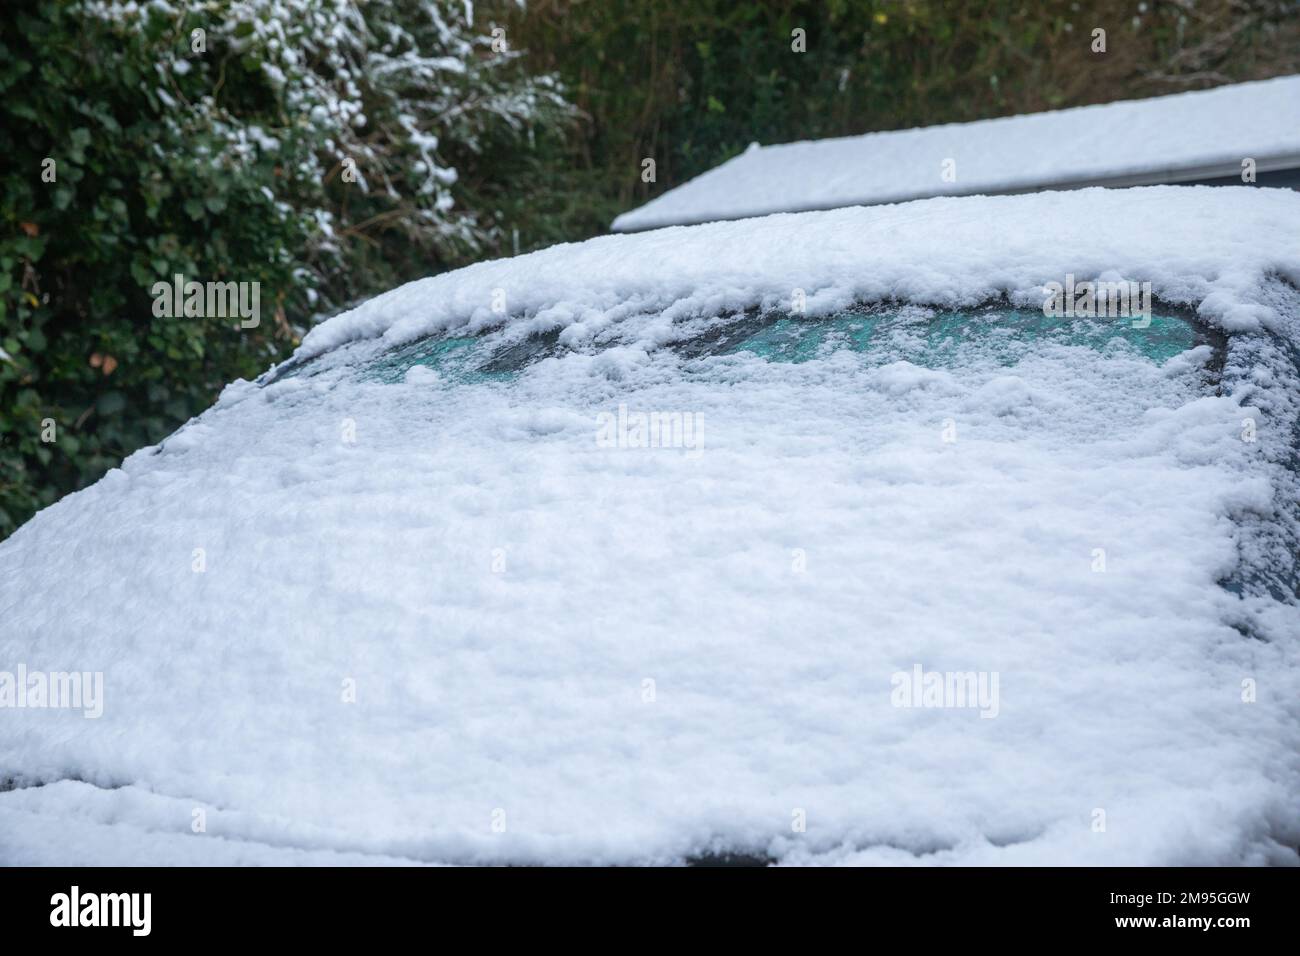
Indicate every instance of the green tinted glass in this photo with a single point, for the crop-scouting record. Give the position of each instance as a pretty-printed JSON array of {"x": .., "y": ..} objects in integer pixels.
[
  {"x": 934, "y": 340},
  {"x": 951, "y": 338},
  {"x": 455, "y": 358}
]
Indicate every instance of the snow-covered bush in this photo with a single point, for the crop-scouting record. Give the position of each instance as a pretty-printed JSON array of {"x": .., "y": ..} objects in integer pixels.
[
  {"x": 323, "y": 149},
  {"x": 368, "y": 106}
]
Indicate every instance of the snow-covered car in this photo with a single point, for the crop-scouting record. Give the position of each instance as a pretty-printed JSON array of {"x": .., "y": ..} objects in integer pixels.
[{"x": 865, "y": 536}]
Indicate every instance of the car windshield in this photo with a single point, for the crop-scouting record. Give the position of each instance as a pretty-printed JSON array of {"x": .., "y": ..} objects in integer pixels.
[{"x": 923, "y": 337}]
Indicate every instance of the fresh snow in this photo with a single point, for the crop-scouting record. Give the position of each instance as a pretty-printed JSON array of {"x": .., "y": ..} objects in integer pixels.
[
  {"x": 1193, "y": 135},
  {"x": 1207, "y": 245},
  {"x": 499, "y": 588}
]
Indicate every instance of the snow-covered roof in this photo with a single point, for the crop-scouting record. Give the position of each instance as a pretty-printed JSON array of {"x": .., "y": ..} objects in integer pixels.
[
  {"x": 438, "y": 621},
  {"x": 1167, "y": 139}
]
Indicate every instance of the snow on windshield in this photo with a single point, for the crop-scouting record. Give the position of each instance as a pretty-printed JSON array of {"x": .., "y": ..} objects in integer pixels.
[
  {"x": 1205, "y": 247},
  {"x": 633, "y": 604}
]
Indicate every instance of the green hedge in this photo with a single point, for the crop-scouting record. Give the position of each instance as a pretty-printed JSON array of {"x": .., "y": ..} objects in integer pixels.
[{"x": 135, "y": 149}]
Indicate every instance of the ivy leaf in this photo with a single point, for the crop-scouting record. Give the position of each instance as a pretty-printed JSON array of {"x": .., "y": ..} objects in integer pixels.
[{"x": 110, "y": 403}]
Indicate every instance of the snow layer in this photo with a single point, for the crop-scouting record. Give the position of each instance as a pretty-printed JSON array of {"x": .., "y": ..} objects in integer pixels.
[
  {"x": 1158, "y": 137},
  {"x": 566, "y": 652},
  {"x": 1209, "y": 247}
]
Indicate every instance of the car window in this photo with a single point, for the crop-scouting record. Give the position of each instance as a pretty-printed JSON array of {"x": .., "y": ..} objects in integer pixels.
[{"x": 925, "y": 337}]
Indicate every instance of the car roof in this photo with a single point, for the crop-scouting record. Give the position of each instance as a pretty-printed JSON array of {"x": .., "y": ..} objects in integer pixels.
[{"x": 1183, "y": 137}]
